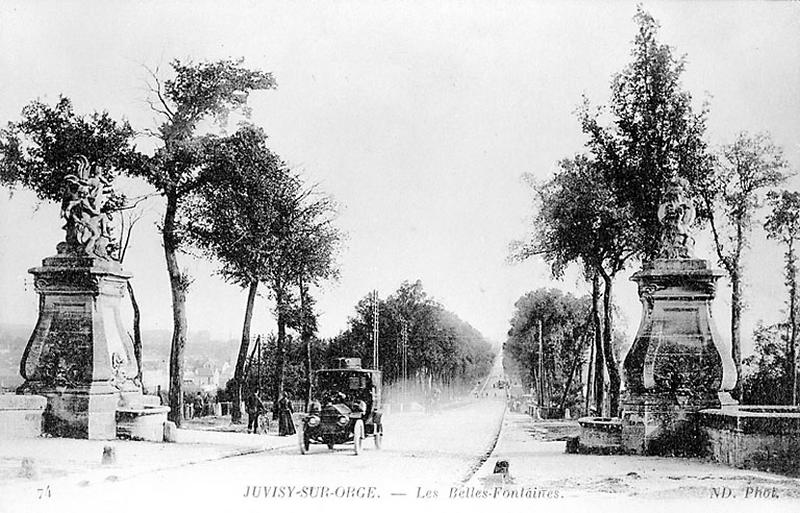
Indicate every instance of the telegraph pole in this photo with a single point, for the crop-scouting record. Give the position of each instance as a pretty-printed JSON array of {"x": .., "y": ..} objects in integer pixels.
[
  {"x": 375, "y": 330},
  {"x": 404, "y": 356},
  {"x": 541, "y": 367}
]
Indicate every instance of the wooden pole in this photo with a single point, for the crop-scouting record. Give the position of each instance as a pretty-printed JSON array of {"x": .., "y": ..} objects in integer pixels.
[{"x": 541, "y": 367}]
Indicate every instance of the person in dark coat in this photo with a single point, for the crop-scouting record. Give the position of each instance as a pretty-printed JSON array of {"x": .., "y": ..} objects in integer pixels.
[
  {"x": 253, "y": 405},
  {"x": 283, "y": 412}
]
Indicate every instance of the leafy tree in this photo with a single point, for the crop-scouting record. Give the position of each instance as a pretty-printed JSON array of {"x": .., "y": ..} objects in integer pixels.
[
  {"x": 600, "y": 210},
  {"x": 654, "y": 134},
  {"x": 316, "y": 250},
  {"x": 302, "y": 252},
  {"x": 198, "y": 92},
  {"x": 232, "y": 217},
  {"x": 783, "y": 225},
  {"x": 566, "y": 333},
  {"x": 581, "y": 219},
  {"x": 731, "y": 197},
  {"x": 40, "y": 150},
  {"x": 441, "y": 347},
  {"x": 765, "y": 377}
]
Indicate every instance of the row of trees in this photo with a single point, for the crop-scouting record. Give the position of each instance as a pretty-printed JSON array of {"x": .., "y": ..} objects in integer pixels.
[
  {"x": 553, "y": 369},
  {"x": 440, "y": 347},
  {"x": 442, "y": 350},
  {"x": 228, "y": 195},
  {"x": 600, "y": 209}
]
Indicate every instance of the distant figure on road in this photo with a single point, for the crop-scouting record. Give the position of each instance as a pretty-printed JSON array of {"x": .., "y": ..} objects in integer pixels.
[
  {"x": 283, "y": 411},
  {"x": 198, "y": 405},
  {"x": 254, "y": 407}
]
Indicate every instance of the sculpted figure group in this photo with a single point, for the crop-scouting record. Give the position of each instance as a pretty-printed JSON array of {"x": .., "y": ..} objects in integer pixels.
[
  {"x": 676, "y": 213},
  {"x": 83, "y": 207}
]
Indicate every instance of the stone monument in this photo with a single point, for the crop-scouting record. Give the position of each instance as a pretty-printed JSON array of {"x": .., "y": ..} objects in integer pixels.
[
  {"x": 677, "y": 365},
  {"x": 79, "y": 356}
]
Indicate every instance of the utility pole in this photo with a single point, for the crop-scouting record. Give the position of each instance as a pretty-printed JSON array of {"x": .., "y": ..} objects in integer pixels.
[
  {"x": 375, "y": 330},
  {"x": 404, "y": 356},
  {"x": 258, "y": 348},
  {"x": 541, "y": 367}
]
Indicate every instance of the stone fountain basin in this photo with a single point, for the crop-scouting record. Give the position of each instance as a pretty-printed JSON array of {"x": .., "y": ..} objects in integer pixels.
[
  {"x": 765, "y": 437},
  {"x": 600, "y": 435},
  {"x": 21, "y": 415},
  {"x": 142, "y": 423}
]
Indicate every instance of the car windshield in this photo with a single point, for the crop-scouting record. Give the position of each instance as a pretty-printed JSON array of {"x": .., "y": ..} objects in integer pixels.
[{"x": 351, "y": 384}]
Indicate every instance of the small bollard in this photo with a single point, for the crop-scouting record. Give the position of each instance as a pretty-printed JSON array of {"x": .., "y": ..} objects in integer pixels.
[
  {"x": 501, "y": 467},
  {"x": 28, "y": 469},
  {"x": 170, "y": 431},
  {"x": 109, "y": 455}
]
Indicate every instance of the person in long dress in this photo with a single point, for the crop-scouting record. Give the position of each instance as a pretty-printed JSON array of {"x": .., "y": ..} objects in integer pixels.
[{"x": 283, "y": 410}]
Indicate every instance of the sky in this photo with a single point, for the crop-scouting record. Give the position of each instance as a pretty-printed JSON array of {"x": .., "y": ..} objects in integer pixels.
[{"x": 418, "y": 117}]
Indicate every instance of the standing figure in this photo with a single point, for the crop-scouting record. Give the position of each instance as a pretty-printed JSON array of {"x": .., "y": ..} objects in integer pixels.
[
  {"x": 198, "y": 405},
  {"x": 283, "y": 411},
  {"x": 253, "y": 405}
]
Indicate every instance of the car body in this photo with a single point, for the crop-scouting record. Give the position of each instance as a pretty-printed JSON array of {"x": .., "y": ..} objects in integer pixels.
[{"x": 346, "y": 407}]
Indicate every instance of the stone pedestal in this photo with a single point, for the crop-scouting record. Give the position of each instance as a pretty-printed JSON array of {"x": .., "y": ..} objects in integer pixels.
[
  {"x": 676, "y": 365},
  {"x": 79, "y": 356}
]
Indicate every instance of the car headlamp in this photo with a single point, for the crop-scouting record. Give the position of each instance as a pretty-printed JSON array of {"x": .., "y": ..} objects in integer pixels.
[
  {"x": 313, "y": 421},
  {"x": 342, "y": 420}
]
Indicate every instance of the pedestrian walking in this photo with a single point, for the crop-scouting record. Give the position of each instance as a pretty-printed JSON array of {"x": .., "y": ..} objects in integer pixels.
[{"x": 283, "y": 411}]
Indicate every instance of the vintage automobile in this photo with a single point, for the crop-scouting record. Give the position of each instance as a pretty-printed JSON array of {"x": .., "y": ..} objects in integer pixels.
[{"x": 346, "y": 407}]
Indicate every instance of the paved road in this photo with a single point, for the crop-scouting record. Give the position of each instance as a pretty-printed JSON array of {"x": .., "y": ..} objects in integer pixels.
[{"x": 433, "y": 452}]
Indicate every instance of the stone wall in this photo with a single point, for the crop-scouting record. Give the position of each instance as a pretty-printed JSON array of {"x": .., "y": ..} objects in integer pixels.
[{"x": 759, "y": 437}]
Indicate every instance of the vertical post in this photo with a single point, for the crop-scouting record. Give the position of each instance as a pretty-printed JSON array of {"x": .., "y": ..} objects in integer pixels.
[
  {"x": 589, "y": 378},
  {"x": 375, "y": 330},
  {"x": 404, "y": 357},
  {"x": 258, "y": 363},
  {"x": 541, "y": 367}
]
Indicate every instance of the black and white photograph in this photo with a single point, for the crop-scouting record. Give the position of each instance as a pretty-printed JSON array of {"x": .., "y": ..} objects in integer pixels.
[{"x": 351, "y": 255}]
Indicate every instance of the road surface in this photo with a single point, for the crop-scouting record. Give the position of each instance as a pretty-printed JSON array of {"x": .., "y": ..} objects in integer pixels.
[{"x": 421, "y": 453}]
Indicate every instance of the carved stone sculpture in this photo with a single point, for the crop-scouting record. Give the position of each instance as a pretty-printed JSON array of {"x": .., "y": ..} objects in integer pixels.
[
  {"x": 676, "y": 213},
  {"x": 83, "y": 207},
  {"x": 677, "y": 364},
  {"x": 79, "y": 356}
]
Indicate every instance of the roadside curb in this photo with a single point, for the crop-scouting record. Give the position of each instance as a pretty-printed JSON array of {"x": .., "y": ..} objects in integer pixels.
[{"x": 475, "y": 468}]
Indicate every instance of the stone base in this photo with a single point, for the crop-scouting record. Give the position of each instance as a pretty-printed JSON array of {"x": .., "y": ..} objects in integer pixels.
[
  {"x": 81, "y": 412},
  {"x": 21, "y": 416},
  {"x": 660, "y": 425}
]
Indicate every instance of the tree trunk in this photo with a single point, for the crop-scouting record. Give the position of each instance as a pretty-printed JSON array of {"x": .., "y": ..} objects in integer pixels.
[
  {"x": 736, "y": 320},
  {"x": 178, "y": 289},
  {"x": 574, "y": 367},
  {"x": 280, "y": 350},
  {"x": 305, "y": 334},
  {"x": 137, "y": 333},
  {"x": 614, "y": 380},
  {"x": 599, "y": 364},
  {"x": 241, "y": 359},
  {"x": 589, "y": 377},
  {"x": 792, "y": 353}
]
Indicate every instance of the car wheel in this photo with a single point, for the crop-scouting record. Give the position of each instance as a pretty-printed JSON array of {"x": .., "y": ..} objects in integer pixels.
[{"x": 358, "y": 435}]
